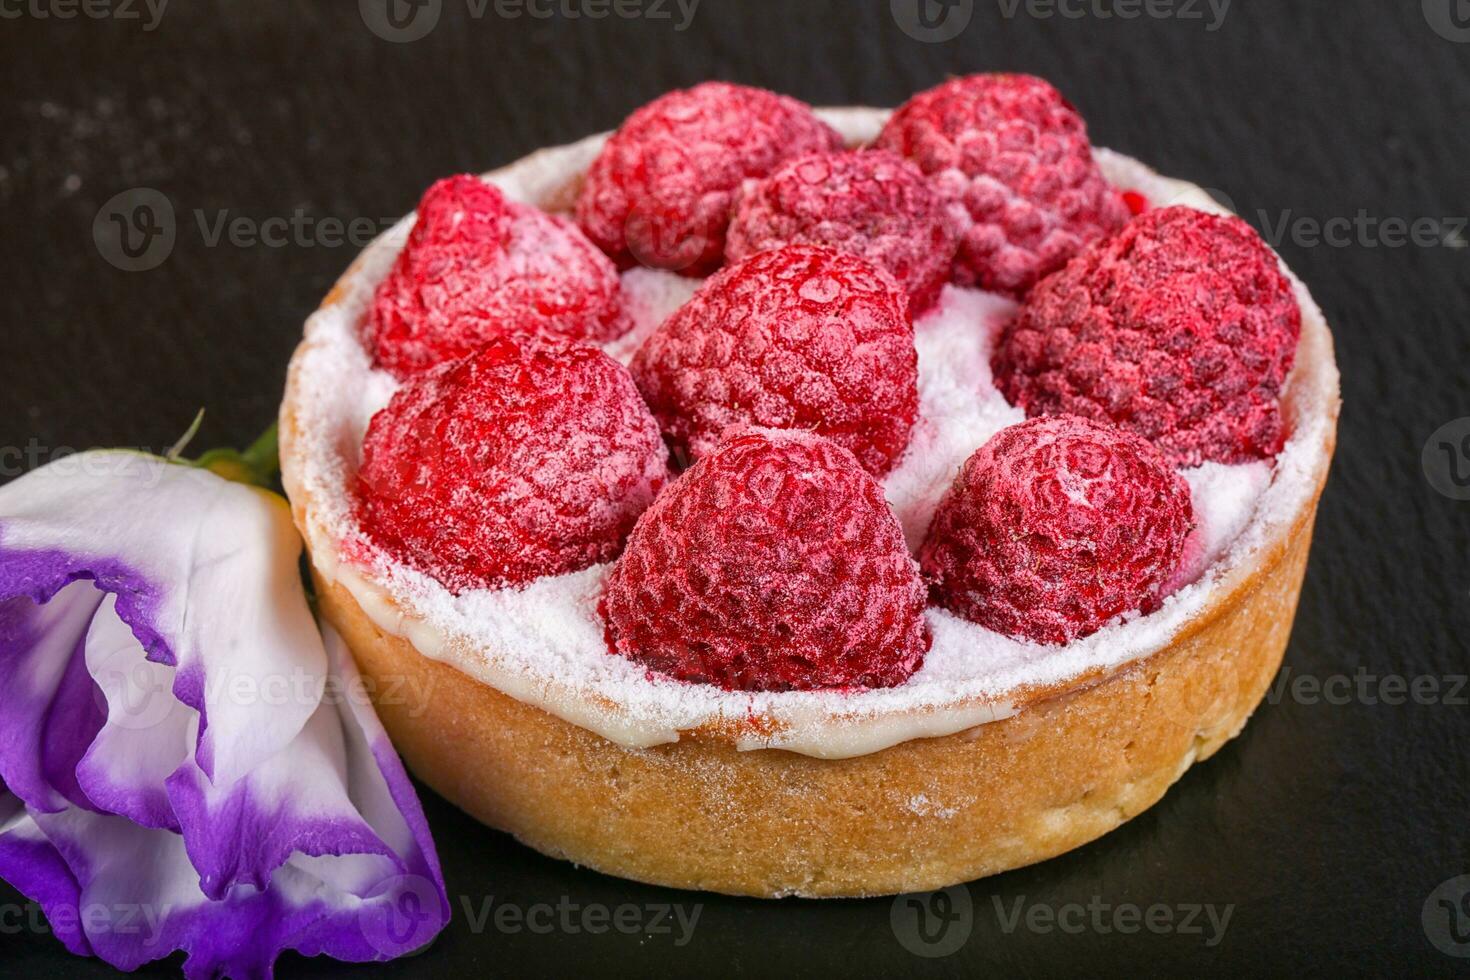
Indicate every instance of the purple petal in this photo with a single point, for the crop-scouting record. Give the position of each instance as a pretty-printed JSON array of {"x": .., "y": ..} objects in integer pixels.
[
  {"x": 47, "y": 703},
  {"x": 147, "y": 731},
  {"x": 177, "y": 779},
  {"x": 33, "y": 866},
  {"x": 296, "y": 802}
]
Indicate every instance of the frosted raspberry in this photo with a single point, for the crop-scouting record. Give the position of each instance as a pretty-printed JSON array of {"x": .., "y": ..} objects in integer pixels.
[
  {"x": 874, "y": 204},
  {"x": 520, "y": 460},
  {"x": 773, "y": 564},
  {"x": 1054, "y": 527},
  {"x": 800, "y": 337},
  {"x": 1013, "y": 157},
  {"x": 1181, "y": 328},
  {"x": 477, "y": 266},
  {"x": 660, "y": 192}
]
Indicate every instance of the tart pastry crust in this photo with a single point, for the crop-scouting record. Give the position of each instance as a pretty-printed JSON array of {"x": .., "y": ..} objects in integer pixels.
[{"x": 1075, "y": 760}]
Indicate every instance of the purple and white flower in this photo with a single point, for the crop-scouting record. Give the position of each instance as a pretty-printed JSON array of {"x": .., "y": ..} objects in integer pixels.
[{"x": 186, "y": 761}]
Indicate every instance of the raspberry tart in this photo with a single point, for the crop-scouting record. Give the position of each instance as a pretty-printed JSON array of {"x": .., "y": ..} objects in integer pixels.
[{"x": 768, "y": 566}]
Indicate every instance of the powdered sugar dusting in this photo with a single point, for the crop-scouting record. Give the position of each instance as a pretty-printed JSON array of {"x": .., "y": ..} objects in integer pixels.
[
  {"x": 921, "y": 805},
  {"x": 650, "y": 296},
  {"x": 959, "y": 405},
  {"x": 802, "y": 337},
  {"x": 1224, "y": 498},
  {"x": 543, "y": 643},
  {"x": 514, "y": 462},
  {"x": 477, "y": 265}
]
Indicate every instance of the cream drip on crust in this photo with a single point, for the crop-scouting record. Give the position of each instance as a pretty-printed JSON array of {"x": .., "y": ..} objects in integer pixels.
[{"x": 543, "y": 644}]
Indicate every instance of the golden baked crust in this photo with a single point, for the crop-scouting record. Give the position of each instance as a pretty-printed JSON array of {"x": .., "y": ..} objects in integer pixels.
[
  {"x": 922, "y": 814},
  {"x": 1076, "y": 762}
]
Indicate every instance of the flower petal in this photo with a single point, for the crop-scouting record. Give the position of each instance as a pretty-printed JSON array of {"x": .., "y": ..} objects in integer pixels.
[
  {"x": 47, "y": 699},
  {"x": 148, "y": 732},
  {"x": 33, "y": 866},
  {"x": 205, "y": 574},
  {"x": 177, "y": 779}
]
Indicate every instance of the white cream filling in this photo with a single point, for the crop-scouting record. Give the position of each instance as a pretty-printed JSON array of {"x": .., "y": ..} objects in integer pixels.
[{"x": 543, "y": 643}]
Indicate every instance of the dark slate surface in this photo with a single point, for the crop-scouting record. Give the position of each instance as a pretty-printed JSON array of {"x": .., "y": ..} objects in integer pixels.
[{"x": 1325, "y": 826}]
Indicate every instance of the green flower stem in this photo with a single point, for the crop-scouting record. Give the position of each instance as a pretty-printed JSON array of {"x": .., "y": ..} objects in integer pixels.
[
  {"x": 264, "y": 454},
  {"x": 257, "y": 465}
]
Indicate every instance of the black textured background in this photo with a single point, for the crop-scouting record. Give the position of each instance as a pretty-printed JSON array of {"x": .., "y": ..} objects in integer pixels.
[{"x": 1326, "y": 826}]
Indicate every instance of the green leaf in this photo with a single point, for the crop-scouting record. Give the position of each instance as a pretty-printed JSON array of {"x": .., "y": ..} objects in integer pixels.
[{"x": 257, "y": 465}]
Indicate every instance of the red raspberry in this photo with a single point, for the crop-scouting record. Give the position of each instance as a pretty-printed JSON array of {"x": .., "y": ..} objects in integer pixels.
[
  {"x": 773, "y": 564},
  {"x": 478, "y": 266},
  {"x": 1013, "y": 156},
  {"x": 1181, "y": 328},
  {"x": 660, "y": 192},
  {"x": 874, "y": 204},
  {"x": 800, "y": 337},
  {"x": 521, "y": 460},
  {"x": 1054, "y": 527}
]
